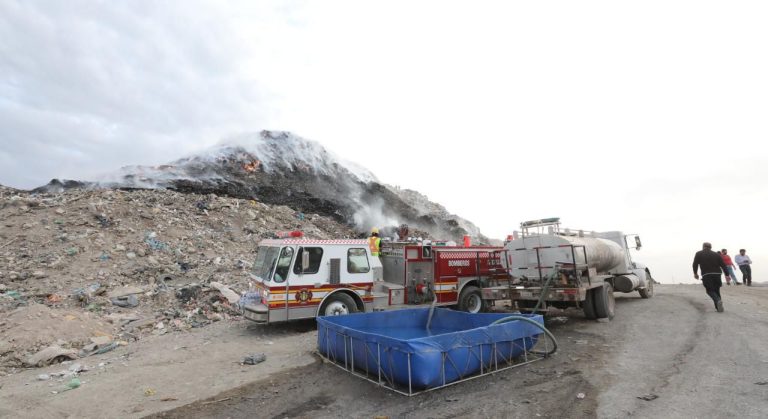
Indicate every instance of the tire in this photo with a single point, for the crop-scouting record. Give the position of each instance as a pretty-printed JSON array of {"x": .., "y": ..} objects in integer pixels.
[
  {"x": 589, "y": 305},
  {"x": 471, "y": 300},
  {"x": 605, "y": 303},
  {"x": 647, "y": 292},
  {"x": 338, "y": 304}
]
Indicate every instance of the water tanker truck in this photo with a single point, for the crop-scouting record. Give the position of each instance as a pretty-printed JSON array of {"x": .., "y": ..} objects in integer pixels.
[{"x": 562, "y": 268}]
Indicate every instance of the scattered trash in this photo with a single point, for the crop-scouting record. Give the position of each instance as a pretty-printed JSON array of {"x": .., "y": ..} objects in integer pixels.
[
  {"x": 188, "y": 293},
  {"x": 106, "y": 349},
  {"x": 12, "y": 294},
  {"x": 761, "y": 383},
  {"x": 72, "y": 251},
  {"x": 254, "y": 359},
  {"x": 581, "y": 396},
  {"x": 230, "y": 295},
  {"x": 149, "y": 392},
  {"x": 93, "y": 307},
  {"x": 73, "y": 384},
  {"x": 249, "y": 297},
  {"x": 151, "y": 240},
  {"x": 76, "y": 368},
  {"x": 557, "y": 320},
  {"x": 648, "y": 397},
  {"x": 451, "y": 399},
  {"x": 128, "y": 301},
  {"x": 580, "y": 341},
  {"x": 104, "y": 222},
  {"x": 168, "y": 399},
  {"x": 53, "y": 298},
  {"x": 43, "y": 377},
  {"x": 50, "y": 355}
]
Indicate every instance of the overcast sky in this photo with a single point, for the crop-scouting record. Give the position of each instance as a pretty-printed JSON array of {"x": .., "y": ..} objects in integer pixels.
[{"x": 647, "y": 117}]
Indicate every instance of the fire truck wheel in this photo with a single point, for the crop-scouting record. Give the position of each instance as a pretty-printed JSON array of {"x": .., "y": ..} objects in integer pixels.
[
  {"x": 338, "y": 304},
  {"x": 471, "y": 300},
  {"x": 647, "y": 292},
  {"x": 604, "y": 301},
  {"x": 589, "y": 305}
]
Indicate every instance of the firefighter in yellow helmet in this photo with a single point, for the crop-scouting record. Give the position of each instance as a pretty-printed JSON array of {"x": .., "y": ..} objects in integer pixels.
[{"x": 374, "y": 242}]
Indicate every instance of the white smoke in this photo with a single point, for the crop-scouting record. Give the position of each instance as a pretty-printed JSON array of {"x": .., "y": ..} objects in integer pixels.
[{"x": 372, "y": 214}]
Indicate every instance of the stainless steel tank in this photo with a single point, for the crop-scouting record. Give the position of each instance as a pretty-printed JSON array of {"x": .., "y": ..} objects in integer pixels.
[{"x": 604, "y": 255}]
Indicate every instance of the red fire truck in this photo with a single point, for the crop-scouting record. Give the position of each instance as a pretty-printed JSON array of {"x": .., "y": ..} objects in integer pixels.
[{"x": 301, "y": 278}]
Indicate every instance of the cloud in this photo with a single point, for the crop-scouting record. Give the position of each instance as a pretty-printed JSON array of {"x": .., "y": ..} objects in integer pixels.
[{"x": 89, "y": 86}]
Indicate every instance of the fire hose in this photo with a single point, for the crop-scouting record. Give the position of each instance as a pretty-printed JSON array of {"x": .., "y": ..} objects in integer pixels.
[{"x": 535, "y": 323}]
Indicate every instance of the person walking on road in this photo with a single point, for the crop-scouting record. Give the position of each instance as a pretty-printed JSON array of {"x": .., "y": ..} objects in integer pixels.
[
  {"x": 729, "y": 263},
  {"x": 745, "y": 267},
  {"x": 711, "y": 267}
]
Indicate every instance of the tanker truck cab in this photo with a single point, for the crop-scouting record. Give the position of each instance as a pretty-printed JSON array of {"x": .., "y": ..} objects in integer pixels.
[{"x": 299, "y": 279}]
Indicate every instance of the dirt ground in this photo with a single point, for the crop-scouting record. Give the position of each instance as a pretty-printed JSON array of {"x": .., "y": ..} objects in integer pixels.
[{"x": 698, "y": 363}]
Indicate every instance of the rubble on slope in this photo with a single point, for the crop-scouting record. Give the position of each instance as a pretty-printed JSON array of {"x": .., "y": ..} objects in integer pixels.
[{"x": 112, "y": 265}]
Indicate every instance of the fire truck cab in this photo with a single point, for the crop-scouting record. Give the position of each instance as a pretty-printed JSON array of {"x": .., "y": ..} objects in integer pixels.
[{"x": 300, "y": 278}]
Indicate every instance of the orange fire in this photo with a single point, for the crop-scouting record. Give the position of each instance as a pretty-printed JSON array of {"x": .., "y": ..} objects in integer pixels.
[{"x": 252, "y": 166}]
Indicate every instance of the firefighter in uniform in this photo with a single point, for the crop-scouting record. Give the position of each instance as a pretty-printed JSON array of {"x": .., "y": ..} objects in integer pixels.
[{"x": 374, "y": 242}]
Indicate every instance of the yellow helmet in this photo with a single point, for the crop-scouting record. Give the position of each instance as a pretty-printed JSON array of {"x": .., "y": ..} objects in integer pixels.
[{"x": 375, "y": 230}]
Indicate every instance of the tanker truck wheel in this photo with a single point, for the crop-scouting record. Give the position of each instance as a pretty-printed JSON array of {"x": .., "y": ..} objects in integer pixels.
[
  {"x": 647, "y": 292},
  {"x": 604, "y": 301},
  {"x": 589, "y": 305},
  {"x": 471, "y": 300}
]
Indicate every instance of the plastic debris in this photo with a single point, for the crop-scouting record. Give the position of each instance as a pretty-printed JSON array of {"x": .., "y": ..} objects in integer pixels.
[
  {"x": 50, "y": 355},
  {"x": 249, "y": 297},
  {"x": 648, "y": 397},
  {"x": 155, "y": 244},
  {"x": 230, "y": 295},
  {"x": 73, "y": 384},
  {"x": 127, "y": 301},
  {"x": 254, "y": 359}
]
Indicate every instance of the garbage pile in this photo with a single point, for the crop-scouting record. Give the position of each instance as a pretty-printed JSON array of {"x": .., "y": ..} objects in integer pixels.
[
  {"x": 280, "y": 168},
  {"x": 87, "y": 270}
]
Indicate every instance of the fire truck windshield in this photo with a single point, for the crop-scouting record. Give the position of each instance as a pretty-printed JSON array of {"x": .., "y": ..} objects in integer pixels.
[{"x": 266, "y": 259}]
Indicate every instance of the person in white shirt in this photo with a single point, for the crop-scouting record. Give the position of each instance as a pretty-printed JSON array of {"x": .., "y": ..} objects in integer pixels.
[{"x": 744, "y": 263}]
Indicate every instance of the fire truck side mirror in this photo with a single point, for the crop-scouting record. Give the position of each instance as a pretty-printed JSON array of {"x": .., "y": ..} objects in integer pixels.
[
  {"x": 638, "y": 245},
  {"x": 304, "y": 261}
]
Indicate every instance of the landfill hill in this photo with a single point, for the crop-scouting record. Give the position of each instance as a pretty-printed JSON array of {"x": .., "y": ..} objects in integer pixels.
[
  {"x": 86, "y": 267},
  {"x": 280, "y": 168},
  {"x": 85, "y": 270}
]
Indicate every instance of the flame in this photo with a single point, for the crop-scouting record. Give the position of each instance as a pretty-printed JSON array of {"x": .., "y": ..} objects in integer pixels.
[{"x": 252, "y": 166}]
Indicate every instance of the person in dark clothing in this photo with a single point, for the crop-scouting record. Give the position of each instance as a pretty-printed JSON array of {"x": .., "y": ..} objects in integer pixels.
[{"x": 712, "y": 266}]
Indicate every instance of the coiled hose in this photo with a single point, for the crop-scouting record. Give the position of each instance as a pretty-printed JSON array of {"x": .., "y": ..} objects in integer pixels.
[{"x": 535, "y": 323}]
